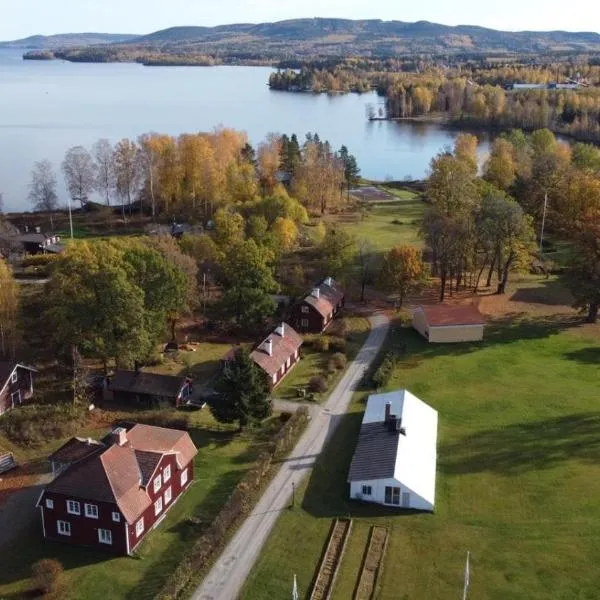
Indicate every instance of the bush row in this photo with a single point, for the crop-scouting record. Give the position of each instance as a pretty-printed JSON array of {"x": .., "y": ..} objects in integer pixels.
[
  {"x": 384, "y": 372},
  {"x": 239, "y": 504},
  {"x": 329, "y": 343}
]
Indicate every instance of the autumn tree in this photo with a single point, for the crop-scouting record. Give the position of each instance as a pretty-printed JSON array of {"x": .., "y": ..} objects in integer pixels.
[
  {"x": 285, "y": 234},
  {"x": 92, "y": 303},
  {"x": 402, "y": 271},
  {"x": 269, "y": 161},
  {"x": 105, "y": 175},
  {"x": 127, "y": 171},
  {"x": 338, "y": 251},
  {"x": 229, "y": 228},
  {"x": 8, "y": 311},
  {"x": 465, "y": 150},
  {"x": 243, "y": 392},
  {"x": 42, "y": 189},
  {"x": 500, "y": 169},
  {"x": 248, "y": 283},
  {"x": 79, "y": 171}
]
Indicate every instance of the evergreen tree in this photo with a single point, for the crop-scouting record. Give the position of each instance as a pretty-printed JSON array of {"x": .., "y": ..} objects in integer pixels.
[{"x": 243, "y": 391}]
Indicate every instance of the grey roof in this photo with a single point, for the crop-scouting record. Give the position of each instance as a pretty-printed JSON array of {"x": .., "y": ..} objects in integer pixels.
[
  {"x": 152, "y": 384},
  {"x": 55, "y": 248},
  {"x": 375, "y": 454},
  {"x": 148, "y": 462}
]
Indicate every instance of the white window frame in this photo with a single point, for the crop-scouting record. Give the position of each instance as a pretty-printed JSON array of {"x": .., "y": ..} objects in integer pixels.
[
  {"x": 91, "y": 511},
  {"x": 275, "y": 378},
  {"x": 14, "y": 377},
  {"x": 73, "y": 507},
  {"x": 304, "y": 322},
  {"x": 168, "y": 495},
  {"x": 167, "y": 473},
  {"x": 116, "y": 517},
  {"x": 288, "y": 362},
  {"x": 63, "y": 527},
  {"x": 184, "y": 477},
  {"x": 296, "y": 354},
  {"x": 282, "y": 369},
  {"x": 158, "y": 506},
  {"x": 305, "y": 309},
  {"x": 139, "y": 527},
  {"x": 105, "y": 536},
  {"x": 157, "y": 483},
  {"x": 49, "y": 503}
]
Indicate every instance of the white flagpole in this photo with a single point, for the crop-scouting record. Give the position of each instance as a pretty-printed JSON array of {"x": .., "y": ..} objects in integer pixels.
[
  {"x": 295, "y": 589},
  {"x": 467, "y": 576}
]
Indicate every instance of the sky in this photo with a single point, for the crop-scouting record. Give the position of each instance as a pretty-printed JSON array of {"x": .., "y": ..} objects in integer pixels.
[{"x": 21, "y": 18}]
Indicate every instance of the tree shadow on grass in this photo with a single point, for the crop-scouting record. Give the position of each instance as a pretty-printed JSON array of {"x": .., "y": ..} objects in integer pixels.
[
  {"x": 551, "y": 293},
  {"x": 588, "y": 356},
  {"x": 525, "y": 446}
]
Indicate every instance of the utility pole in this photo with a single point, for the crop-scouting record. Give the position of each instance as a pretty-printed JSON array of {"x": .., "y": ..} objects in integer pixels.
[
  {"x": 543, "y": 224},
  {"x": 70, "y": 218},
  {"x": 293, "y": 494}
]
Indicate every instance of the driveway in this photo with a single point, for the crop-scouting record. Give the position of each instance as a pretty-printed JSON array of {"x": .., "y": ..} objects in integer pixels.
[{"x": 226, "y": 578}]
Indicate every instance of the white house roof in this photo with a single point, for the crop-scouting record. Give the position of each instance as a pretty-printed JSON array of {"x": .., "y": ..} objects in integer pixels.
[{"x": 408, "y": 455}]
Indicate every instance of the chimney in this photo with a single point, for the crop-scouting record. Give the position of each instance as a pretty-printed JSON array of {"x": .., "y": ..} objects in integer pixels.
[
  {"x": 119, "y": 436},
  {"x": 38, "y": 230},
  {"x": 89, "y": 441},
  {"x": 329, "y": 282},
  {"x": 26, "y": 228},
  {"x": 269, "y": 347},
  {"x": 316, "y": 292},
  {"x": 281, "y": 330},
  {"x": 388, "y": 411}
]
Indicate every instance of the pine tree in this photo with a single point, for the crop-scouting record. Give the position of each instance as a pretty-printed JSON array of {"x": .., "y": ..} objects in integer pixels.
[{"x": 243, "y": 391}]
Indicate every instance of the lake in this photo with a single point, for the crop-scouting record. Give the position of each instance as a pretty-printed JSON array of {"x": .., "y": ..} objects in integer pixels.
[{"x": 48, "y": 106}]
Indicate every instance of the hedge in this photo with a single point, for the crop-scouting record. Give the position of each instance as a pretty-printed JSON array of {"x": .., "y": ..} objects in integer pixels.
[{"x": 239, "y": 504}]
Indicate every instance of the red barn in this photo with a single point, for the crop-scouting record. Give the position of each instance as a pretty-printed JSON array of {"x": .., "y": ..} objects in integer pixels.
[
  {"x": 16, "y": 385},
  {"x": 315, "y": 311},
  {"x": 109, "y": 495}
]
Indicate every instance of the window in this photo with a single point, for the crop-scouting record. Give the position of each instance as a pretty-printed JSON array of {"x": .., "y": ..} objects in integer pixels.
[
  {"x": 296, "y": 354},
  {"x": 168, "y": 495},
  {"x": 287, "y": 363},
  {"x": 282, "y": 369},
  {"x": 116, "y": 517},
  {"x": 405, "y": 499},
  {"x": 91, "y": 511},
  {"x": 14, "y": 377},
  {"x": 167, "y": 473},
  {"x": 157, "y": 483},
  {"x": 304, "y": 322},
  {"x": 367, "y": 490},
  {"x": 49, "y": 503},
  {"x": 184, "y": 477},
  {"x": 63, "y": 527},
  {"x": 139, "y": 527},
  {"x": 73, "y": 507},
  {"x": 392, "y": 495},
  {"x": 305, "y": 309},
  {"x": 158, "y": 506},
  {"x": 105, "y": 536},
  {"x": 275, "y": 378}
]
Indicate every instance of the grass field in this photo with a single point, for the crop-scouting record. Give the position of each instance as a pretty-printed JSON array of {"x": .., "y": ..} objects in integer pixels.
[
  {"x": 222, "y": 460},
  {"x": 389, "y": 224},
  {"x": 517, "y": 482}
]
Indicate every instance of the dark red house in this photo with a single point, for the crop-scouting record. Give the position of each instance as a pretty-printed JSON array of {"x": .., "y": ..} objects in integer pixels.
[
  {"x": 315, "y": 311},
  {"x": 16, "y": 385},
  {"x": 112, "y": 493},
  {"x": 278, "y": 353},
  {"x": 147, "y": 389}
]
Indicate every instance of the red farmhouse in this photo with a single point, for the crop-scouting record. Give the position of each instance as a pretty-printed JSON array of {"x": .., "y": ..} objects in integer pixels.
[
  {"x": 315, "y": 311},
  {"x": 16, "y": 385},
  {"x": 110, "y": 494}
]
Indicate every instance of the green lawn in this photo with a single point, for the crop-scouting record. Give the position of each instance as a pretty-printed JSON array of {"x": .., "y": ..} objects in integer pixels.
[
  {"x": 517, "y": 483},
  {"x": 389, "y": 224},
  {"x": 315, "y": 363},
  {"x": 222, "y": 459}
]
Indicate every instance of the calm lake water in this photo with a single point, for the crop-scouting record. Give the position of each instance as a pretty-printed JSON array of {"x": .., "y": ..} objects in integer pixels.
[{"x": 47, "y": 107}]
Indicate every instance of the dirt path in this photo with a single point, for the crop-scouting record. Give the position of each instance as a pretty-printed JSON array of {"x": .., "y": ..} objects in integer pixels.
[{"x": 226, "y": 578}]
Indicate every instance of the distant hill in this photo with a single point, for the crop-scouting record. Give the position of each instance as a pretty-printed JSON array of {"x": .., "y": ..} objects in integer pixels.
[
  {"x": 367, "y": 37},
  {"x": 67, "y": 40}
]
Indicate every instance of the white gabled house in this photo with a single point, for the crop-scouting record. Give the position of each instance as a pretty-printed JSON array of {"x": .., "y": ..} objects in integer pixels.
[{"x": 394, "y": 463}]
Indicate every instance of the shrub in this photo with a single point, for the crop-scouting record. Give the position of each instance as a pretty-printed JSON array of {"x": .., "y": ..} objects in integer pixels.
[
  {"x": 338, "y": 361},
  {"x": 321, "y": 344},
  {"x": 317, "y": 384},
  {"x": 339, "y": 328},
  {"x": 47, "y": 575},
  {"x": 39, "y": 260},
  {"x": 337, "y": 344},
  {"x": 164, "y": 419},
  {"x": 382, "y": 375},
  {"x": 34, "y": 425}
]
